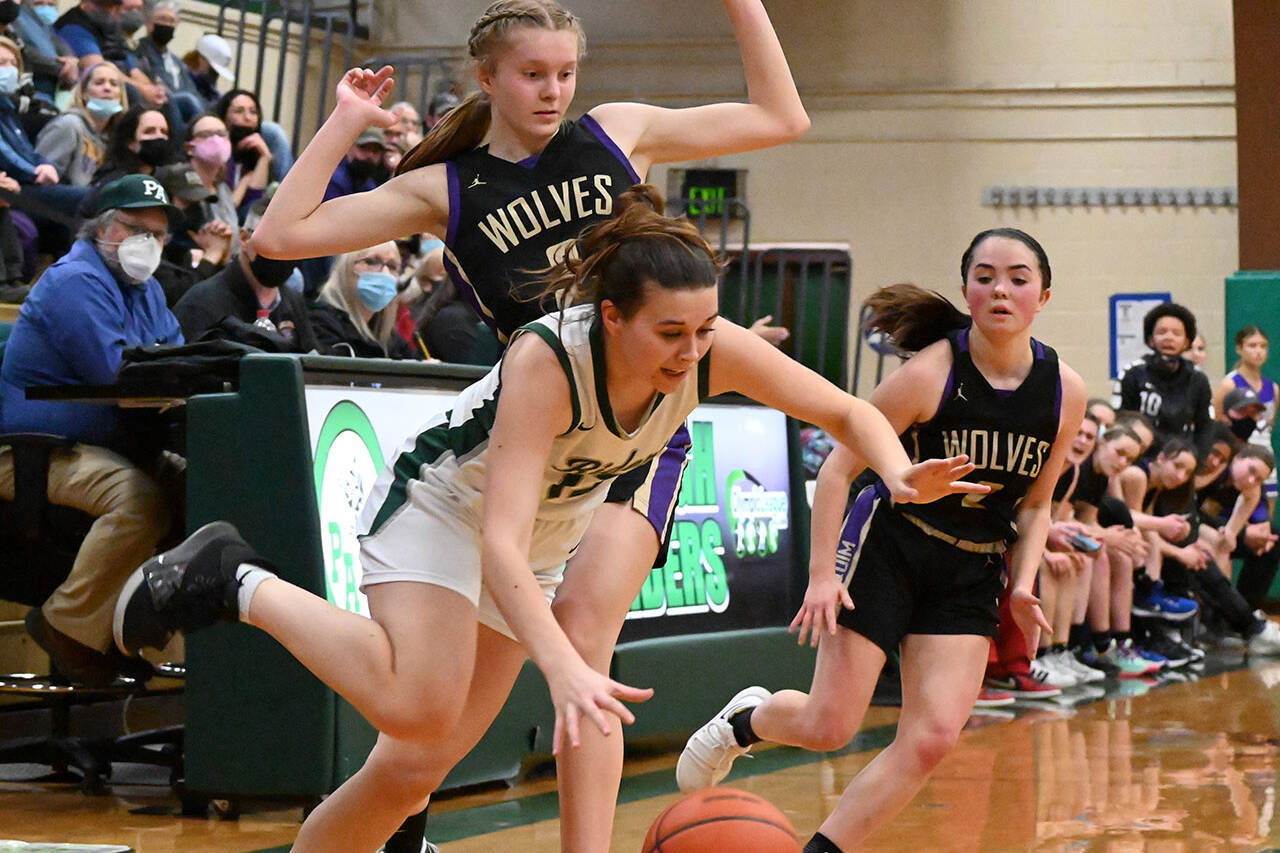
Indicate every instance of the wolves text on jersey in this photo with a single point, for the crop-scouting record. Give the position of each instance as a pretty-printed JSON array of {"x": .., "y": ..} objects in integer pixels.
[
  {"x": 996, "y": 450},
  {"x": 540, "y": 210}
]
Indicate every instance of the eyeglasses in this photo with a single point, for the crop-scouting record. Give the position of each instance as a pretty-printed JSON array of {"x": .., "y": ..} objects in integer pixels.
[
  {"x": 136, "y": 229},
  {"x": 206, "y": 134},
  {"x": 378, "y": 264}
]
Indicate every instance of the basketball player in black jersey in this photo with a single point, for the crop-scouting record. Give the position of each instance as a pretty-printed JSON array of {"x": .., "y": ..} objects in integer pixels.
[
  {"x": 923, "y": 580},
  {"x": 507, "y": 180}
]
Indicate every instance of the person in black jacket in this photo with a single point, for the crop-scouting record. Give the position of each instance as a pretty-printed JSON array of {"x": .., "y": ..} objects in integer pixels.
[
  {"x": 355, "y": 314},
  {"x": 248, "y": 302},
  {"x": 1165, "y": 386}
]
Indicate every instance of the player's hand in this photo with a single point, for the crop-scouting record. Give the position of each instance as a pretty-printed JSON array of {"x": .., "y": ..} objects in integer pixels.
[
  {"x": 1174, "y": 528},
  {"x": 579, "y": 691},
  {"x": 1028, "y": 616},
  {"x": 1058, "y": 564},
  {"x": 822, "y": 602},
  {"x": 931, "y": 479},
  {"x": 361, "y": 93},
  {"x": 773, "y": 334}
]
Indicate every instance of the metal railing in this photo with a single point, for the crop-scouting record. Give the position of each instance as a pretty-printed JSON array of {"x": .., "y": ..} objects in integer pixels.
[
  {"x": 338, "y": 26},
  {"x": 804, "y": 288}
]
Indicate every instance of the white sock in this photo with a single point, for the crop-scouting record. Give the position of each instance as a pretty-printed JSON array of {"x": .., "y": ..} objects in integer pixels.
[{"x": 249, "y": 576}]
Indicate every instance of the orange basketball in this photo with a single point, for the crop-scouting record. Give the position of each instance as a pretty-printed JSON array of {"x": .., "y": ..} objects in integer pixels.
[{"x": 721, "y": 820}]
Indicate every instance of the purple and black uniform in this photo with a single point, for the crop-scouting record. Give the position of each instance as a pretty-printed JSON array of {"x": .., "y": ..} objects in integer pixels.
[
  {"x": 508, "y": 221},
  {"x": 937, "y": 568}
]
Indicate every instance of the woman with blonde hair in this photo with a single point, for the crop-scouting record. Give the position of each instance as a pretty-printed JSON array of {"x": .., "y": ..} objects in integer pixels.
[
  {"x": 355, "y": 313},
  {"x": 75, "y": 142}
]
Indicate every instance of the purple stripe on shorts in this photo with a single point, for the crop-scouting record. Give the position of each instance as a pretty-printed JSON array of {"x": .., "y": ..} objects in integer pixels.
[
  {"x": 855, "y": 525},
  {"x": 667, "y": 472},
  {"x": 594, "y": 126},
  {"x": 455, "y": 203}
]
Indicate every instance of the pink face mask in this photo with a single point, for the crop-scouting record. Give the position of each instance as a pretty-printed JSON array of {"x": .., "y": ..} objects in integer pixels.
[{"x": 212, "y": 149}]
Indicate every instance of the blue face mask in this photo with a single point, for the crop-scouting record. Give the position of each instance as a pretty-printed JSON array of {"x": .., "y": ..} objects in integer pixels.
[
  {"x": 46, "y": 14},
  {"x": 8, "y": 79},
  {"x": 103, "y": 108},
  {"x": 376, "y": 289}
]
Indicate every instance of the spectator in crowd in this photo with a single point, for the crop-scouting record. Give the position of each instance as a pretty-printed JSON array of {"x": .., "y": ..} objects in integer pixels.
[
  {"x": 207, "y": 144},
  {"x": 407, "y": 131},
  {"x": 139, "y": 143},
  {"x": 206, "y": 64},
  {"x": 440, "y": 104},
  {"x": 446, "y": 325},
  {"x": 201, "y": 244},
  {"x": 13, "y": 267},
  {"x": 250, "y": 168},
  {"x": 74, "y": 142},
  {"x": 50, "y": 206},
  {"x": 362, "y": 169},
  {"x": 162, "y": 66},
  {"x": 1163, "y": 385},
  {"x": 52, "y": 64},
  {"x": 242, "y": 112},
  {"x": 356, "y": 312},
  {"x": 81, "y": 314},
  {"x": 247, "y": 301},
  {"x": 99, "y": 29}
]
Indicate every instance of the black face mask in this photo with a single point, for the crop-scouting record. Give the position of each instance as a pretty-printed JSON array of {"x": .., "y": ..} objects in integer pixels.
[
  {"x": 1167, "y": 364},
  {"x": 361, "y": 170},
  {"x": 154, "y": 152},
  {"x": 238, "y": 134},
  {"x": 8, "y": 13},
  {"x": 271, "y": 272},
  {"x": 1242, "y": 428},
  {"x": 162, "y": 34}
]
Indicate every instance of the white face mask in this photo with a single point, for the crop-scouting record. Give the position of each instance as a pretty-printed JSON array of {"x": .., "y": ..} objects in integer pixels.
[{"x": 138, "y": 256}]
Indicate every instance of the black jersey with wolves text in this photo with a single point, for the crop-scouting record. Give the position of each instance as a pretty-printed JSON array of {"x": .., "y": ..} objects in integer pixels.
[
  {"x": 1007, "y": 435},
  {"x": 508, "y": 221}
]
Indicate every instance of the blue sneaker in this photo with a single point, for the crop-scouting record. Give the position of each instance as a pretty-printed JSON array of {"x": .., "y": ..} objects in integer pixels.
[{"x": 1159, "y": 604}]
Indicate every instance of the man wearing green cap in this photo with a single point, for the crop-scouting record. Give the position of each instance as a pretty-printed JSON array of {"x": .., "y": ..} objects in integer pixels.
[{"x": 72, "y": 329}]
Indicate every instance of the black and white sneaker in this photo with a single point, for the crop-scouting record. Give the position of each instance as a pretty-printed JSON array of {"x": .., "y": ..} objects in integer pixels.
[{"x": 184, "y": 589}]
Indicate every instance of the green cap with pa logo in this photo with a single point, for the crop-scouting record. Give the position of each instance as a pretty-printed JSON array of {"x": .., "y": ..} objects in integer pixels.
[{"x": 135, "y": 191}]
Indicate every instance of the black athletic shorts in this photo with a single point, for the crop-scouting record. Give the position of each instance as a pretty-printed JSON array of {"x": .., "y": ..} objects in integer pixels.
[{"x": 905, "y": 581}]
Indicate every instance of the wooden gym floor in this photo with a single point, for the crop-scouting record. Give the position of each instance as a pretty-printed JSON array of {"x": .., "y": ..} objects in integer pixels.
[{"x": 1165, "y": 767}]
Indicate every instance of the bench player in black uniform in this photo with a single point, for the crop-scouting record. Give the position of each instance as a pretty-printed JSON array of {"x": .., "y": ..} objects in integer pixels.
[
  {"x": 507, "y": 180},
  {"x": 924, "y": 579}
]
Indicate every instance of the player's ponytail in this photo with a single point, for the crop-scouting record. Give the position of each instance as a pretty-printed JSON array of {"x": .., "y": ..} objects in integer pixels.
[
  {"x": 614, "y": 259},
  {"x": 911, "y": 316},
  {"x": 464, "y": 127}
]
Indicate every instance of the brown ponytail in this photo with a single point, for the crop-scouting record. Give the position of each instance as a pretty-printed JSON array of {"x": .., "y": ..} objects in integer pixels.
[
  {"x": 614, "y": 259},
  {"x": 913, "y": 317},
  {"x": 464, "y": 127}
]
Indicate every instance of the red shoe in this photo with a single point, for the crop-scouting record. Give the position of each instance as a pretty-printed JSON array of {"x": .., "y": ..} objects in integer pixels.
[
  {"x": 1024, "y": 686},
  {"x": 989, "y": 698}
]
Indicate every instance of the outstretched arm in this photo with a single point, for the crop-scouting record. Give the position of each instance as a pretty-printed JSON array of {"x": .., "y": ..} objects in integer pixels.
[
  {"x": 773, "y": 113},
  {"x": 532, "y": 410},
  {"x": 300, "y": 224}
]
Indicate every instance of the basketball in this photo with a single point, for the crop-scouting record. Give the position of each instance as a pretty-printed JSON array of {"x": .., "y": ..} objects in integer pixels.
[{"x": 721, "y": 820}]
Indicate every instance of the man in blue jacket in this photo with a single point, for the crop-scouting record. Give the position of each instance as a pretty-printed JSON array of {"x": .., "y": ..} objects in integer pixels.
[{"x": 72, "y": 329}]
